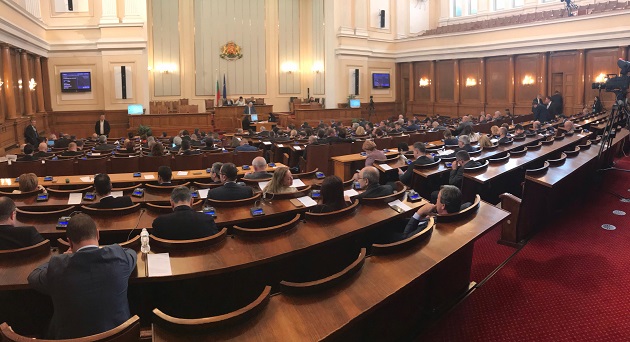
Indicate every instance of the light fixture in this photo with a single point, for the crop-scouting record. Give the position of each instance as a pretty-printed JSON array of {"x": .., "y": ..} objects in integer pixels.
[
  {"x": 528, "y": 80},
  {"x": 32, "y": 84},
  {"x": 1, "y": 83},
  {"x": 317, "y": 67},
  {"x": 471, "y": 82},
  {"x": 165, "y": 68},
  {"x": 424, "y": 82},
  {"x": 289, "y": 67},
  {"x": 601, "y": 78},
  {"x": 20, "y": 84}
]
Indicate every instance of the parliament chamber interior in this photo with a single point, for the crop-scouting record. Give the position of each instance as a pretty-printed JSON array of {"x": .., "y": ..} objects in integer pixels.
[{"x": 301, "y": 170}]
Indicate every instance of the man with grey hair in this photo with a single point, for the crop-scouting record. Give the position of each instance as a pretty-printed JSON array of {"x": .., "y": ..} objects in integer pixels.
[
  {"x": 103, "y": 145},
  {"x": 177, "y": 141},
  {"x": 183, "y": 223},
  {"x": 568, "y": 126},
  {"x": 260, "y": 169},
  {"x": 503, "y": 135},
  {"x": 368, "y": 180}
]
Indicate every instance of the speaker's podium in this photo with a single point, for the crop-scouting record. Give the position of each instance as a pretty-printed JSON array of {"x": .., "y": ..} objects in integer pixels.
[
  {"x": 230, "y": 118},
  {"x": 258, "y": 124}
]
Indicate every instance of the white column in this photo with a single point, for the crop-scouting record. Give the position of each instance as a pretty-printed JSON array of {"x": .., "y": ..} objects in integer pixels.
[
  {"x": 330, "y": 45},
  {"x": 361, "y": 18},
  {"x": 402, "y": 18},
  {"x": 134, "y": 11},
  {"x": 109, "y": 14}
]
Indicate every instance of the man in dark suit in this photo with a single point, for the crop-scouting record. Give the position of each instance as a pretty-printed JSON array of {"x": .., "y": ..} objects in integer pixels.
[
  {"x": 246, "y": 147},
  {"x": 63, "y": 141},
  {"x": 537, "y": 101},
  {"x": 103, "y": 145},
  {"x": 28, "y": 153},
  {"x": 260, "y": 169},
  {"x": 552, "y": 108},
  {"x": 230, "y": 191},
  {"x": 462, "y": 161},
  {"x": 558, "y": 105},
  {"x": 183, "y": 223},
  {"x": 15, "y": 237},
  {"x": 88, "y": 286},
  {"x": 102, "y": 126},
  {"x": 419, "y": 153},
  {"x": 103, "y": 187},
  {"x": 72, "y": 150},
  {"x": 42, "y": 151},
  {"x": 30, "y": 133},
  {"x": 541, "y": 113},
  {"x": 503, "y": 136},
  {"x": 165, "y": 174},
  {"x": 250, "y": 109},
  {"x": 185, "y": 149},
  {"x": 215, "y": 172},
  {"x": 368, "y": 179}
]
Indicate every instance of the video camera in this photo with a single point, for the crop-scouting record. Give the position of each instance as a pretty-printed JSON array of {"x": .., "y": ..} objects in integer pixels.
[{"x": 616, "y": 83}]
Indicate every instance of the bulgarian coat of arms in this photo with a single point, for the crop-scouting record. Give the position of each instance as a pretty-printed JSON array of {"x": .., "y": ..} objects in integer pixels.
[{"x": 231, "y": 51}]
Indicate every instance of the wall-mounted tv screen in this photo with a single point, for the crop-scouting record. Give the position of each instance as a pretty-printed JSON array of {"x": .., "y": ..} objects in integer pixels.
[
  {"x": 355, "y": 103},
  {"x": 135, "y": 109},
  {"x": 76, "y": 82},
  {"x": 380, "y": 81}
]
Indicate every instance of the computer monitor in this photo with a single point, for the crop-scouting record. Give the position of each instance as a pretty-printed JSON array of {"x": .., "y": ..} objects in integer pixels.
[
  {"x": 254, "y": 118},
  {"x": 355, "y": 103},
  {"x": 135, "y": 109}
]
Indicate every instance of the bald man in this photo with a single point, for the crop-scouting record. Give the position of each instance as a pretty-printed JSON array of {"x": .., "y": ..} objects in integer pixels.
[
  {"x": 568, "y": 126},
  {"x": 42, "y": 151},
  {"x": 260, "y": 169}
]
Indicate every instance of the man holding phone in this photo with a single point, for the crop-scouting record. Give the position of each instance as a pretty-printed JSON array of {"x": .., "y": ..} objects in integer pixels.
[{"x": 462, "y": 161}]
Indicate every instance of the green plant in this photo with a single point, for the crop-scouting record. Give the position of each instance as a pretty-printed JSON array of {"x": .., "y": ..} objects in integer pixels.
[{"x": 144, "y": 130}]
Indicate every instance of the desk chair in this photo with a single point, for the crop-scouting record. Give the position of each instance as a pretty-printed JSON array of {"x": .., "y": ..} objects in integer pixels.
[
  {"x": 41, "y": 248},
  {"x": 406, "y": 244},
  {"x": 266, "y": 231},
  {"x": 184, "y": 245}
]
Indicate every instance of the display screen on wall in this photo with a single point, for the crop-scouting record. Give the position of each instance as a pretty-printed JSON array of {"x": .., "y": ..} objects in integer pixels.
[
  {"x": 355, "y": 103},
  {"x": 76, "y": 82},
  {"x": 380, "y": 81}
]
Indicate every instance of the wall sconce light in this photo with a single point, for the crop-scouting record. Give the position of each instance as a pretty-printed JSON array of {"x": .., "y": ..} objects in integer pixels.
[
  {"x": 471, "y": 82},
  {"x": 289, "y": 67},
  {"x": 424, "y": 82},
  {"x": 20, "y": 84},
  {"x": 601, "y": 78},
  {"x": 1, "y": 83},
  {"x": 32, "y": 84},
  {"x": 166, "y": 68},
  {"x": 317, "y": 67},
  {"x": 528, "y": 80}
]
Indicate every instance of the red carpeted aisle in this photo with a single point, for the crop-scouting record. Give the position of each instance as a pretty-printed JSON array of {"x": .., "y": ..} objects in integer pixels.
[{"x": 569, "y": 283}]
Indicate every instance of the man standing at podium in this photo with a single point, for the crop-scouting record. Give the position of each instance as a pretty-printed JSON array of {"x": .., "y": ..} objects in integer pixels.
[{"x": 250, "y": 109}]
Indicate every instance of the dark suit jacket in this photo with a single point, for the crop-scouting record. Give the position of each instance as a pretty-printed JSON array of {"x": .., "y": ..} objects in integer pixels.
[
  {"x": 40, "y": 154},
  {"x": 376, "y": 190},
  {"x": 71, "y": 153},
  {"x": 28, "y": 158},
  {"x": 457, "y": 175},
  {"x": 31, "y": 136},
  {"x": 423, "y": 160},
  {"x": 184, "y": 224},
  {"x": 557, "y": 103},
  {"x": 246, "y": 110},
  {"x": 504, "y": 140},
  {"x": 97, "y": 127},
  {"x": 259, "y": 175},
  {"x": 541, "y": 113},
  {"x": 451, "y": 141},
  {"x": 62, "y": 143},
  {"x": 246, "y": 148},
  {"x": 104, "y": 147},
  {"x": 113, "y": 202},
  {"x": 17, "y": 237},
  {"x": 230, "y": 191},
  {"x": 88, "y": 290}
]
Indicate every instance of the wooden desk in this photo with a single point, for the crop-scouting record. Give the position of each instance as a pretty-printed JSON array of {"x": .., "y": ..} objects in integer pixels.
[
  {"x": 268, "y": 125},
  {"x": 343, "y": 164},
  {"x": 172, "y": 123},
  {"x": 230, "y": 118},
  {"x": 313, "y": 116}
]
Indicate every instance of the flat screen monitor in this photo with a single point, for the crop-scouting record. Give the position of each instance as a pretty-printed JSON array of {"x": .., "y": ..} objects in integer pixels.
[
  {"x": 135, "y": 109},
  {"x": 355, "y": 103},
  {"x": 380, "y": 81},
  {"x": 76, "y": 82},
  {"x": 254, "y": 118}
]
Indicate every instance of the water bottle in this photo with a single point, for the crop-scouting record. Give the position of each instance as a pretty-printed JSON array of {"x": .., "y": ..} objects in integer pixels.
[{"x": 144, "y": 240}]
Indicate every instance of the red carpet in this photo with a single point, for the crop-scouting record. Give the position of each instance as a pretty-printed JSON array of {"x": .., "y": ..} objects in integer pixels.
[{"x": 569, "y": 283}]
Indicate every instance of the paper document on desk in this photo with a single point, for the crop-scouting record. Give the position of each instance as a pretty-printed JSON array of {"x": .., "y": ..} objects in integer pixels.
[
  {"x": 149, "y": 177},
  {"x": 117, "y": 194},
  {"x": 266, "y": 142},
  {"x": 307, "y": 201},
  {"x": 350, "y": 193},
  {"x": 182, "y": 173},
  {"x": 400, "y": 205},
  {"x": 159, "y": 265},
  {"x": 87, "y": 179},
  {"x": 446, "y": 152},
  {"x": 494, "y": 141},
  {"x": 297, "y": 182},
  {"x": 203, "y": 193},
  {"x": 297, "y": 148},
  {"x": 75, "y": 198},
  {"x": 385, "y": 167}
]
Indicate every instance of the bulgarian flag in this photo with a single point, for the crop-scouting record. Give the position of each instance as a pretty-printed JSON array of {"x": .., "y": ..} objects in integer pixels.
[{"x": 216, "y": 101}]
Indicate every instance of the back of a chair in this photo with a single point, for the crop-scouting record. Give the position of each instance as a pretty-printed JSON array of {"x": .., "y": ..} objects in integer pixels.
[
  {"x": 19, "y": 167},
  {"x": 91, "y": 166},
  {"x": 332, "y": 215},
  {"x": 60, "y": 167},
  {"x": 382, "y": 143},
  {"x": 151, "y": 164},
  {"x": 234, "y": 203},
  {"x": 462, "y": 213},
  {"x": 192, "y": 162},
  {"x": 110, "y": 212},
  {"x": 340, "y": 149},
  {"x": 124, "y": 164},
  {"x": 129, "y": 331},
  {"x": 266, "y": 231},
  {"x": 180, "y": 245},
  {"x": 23, "y": 194},
  {"x": 317, "y": 156},
  {"x": 41, "y": 248},
  {"x": 217, "y": 157},
  {"x": 398, "y": 194},
  {"x": 404, "y": 244},
  {"x": 245, "y": 158}
]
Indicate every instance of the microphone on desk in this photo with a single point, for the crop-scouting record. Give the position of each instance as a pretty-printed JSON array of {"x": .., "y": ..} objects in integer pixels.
[{"x": 137, "y": 223}]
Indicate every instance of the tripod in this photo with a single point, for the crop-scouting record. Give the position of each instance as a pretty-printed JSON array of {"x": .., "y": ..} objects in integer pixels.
[
  {"x": 371, "y": 110},
  {"x": 618, "y": 113}
]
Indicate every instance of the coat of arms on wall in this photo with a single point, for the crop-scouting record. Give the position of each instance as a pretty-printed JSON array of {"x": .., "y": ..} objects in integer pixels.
[{"x": 231, "y": 52}]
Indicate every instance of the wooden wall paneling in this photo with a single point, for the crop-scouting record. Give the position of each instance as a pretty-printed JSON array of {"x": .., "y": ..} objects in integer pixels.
[
  {"x": 599, "y": 61},
  {"x": 498, "y": 84},
  {"x": 26, "y": 76},
  {"x": 469, "y": 69},
  {"x": 422, "y": 70},
  {"x": 445, "y": 79},
  {"x": 580, "y": 79},
  {"x": 3, "y": 101},
  {"x": 483, "y": 83},
  {"x": 543, "y": 73},
  {"x": 527, "y": 65},
  {"x": 413, "y": 80},
  {"x": 565, "y": 63},
  {"x": 39, "y": 90},
  {"x": 457, "y": 86},
  {"x": 9, "y": 82},
  {"x": 81, "y": 123},
  {"x": 47, "y": 85},
  {"x": 511, "y": 81}
]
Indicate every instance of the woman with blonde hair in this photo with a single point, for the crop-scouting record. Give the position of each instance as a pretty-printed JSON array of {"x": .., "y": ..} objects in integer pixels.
[
  {"x": 280, "y": 182},
  {"x": 359, "y": 131},
  {"x": 494, "y": 131},
  {"x": 484, "y": 141}
]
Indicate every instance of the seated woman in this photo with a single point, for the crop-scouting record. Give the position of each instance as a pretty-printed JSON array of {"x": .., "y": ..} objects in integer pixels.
[
  {"x": 372, "y": 153},
  {"x": 360, "y": 131},
  {"x": 468, "y": 130},
  {"x": 331, "y": 195},
  {"x": 484, "y": 141},
  {"x": 448, "y": 138},
  {"x": 494, "y": 132},
  {"x": 157, "y": 150},
  {"x": 280, "y": 182},
  {"x": 28, "y": 182}
]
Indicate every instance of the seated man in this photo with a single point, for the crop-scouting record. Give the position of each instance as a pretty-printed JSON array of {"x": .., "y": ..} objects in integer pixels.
[
  {"x": 215, "y": 172},
  {"x": 103, "y": 187},
  {"x": 503, "y": 135},
  {"x": 209, "y": 145},
  {"x": 185, "y": 148},
  {"x": 88, "y": 285},
  {"x": 230, "y": 191},
  {"x": 245, "y": 147},
  {"x": 519, "y": 131},
  {"x": 448, "y": 138},
  {"x": 568, "y": 126},
  {"x": 63, "y": 141},
  {"x": 42, "y": 151},
  {"x": 463, "y": 143},
  {"x": 177, "y": 144},
  {"x": 164, "y": 175},
  {"x": 28, "y": 153},
  {"x": 462, "y": 161},
  {"x": 419, "y": 153},
  {"x": 72, "y": 150},
  {"x": 368, "y": 180},
  {"x": 260, "y": 169},
  {"x": 103, "y": 145},
  {"x": 12, "y": 237},
  {"x": 183, "y": 223}
]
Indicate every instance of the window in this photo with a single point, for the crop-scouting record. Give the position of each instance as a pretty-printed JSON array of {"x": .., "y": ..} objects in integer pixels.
[
  {"x": 519, "y": 3},
  {"x": 472, "y": 6},
  {"x": 499, "y": 5},
  {"x": 458, "y": 6}
]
